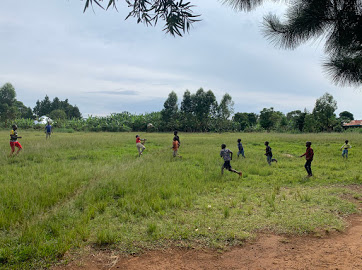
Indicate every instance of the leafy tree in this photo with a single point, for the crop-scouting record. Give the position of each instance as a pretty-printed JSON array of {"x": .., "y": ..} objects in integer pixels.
[
  {"x": 338, "y": 21},
  {"x": 323, "y": 112},
  {"x": 226, "y": 107},
  {"x": 296, "y": 119},
  {"x": 23, "y": 111},
  {"x": 177, "y": 15},
  {"x": 58, "y": 115},
  {"x": 346, "y": 116},
  {"x": 204, "y": 108},
  {"x": 187, "y": 117},
  {"x": 8, "y": 110},
  {"x": 7, "y": 94},
  {"x": 309, "y": 123},
  {"x": 242, "y": 120},
  {"x": 56, "y": 104},
  {"x": 169, "y": 112}
]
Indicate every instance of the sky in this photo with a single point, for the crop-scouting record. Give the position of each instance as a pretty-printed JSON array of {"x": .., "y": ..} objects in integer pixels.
[{"x": 105, "y": 64}]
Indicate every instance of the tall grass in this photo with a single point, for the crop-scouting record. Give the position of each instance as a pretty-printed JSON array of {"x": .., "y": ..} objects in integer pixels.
[{"x": 80, "y": 189}]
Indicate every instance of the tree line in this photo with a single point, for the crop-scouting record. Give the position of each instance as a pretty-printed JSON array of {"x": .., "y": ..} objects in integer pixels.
[
  {"x": 200, "y": 112},
  {"x": 196, "y": 112},
  {"x": 11, "y": 108}
]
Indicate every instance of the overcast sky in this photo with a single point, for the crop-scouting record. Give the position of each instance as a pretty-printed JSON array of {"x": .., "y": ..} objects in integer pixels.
[{"x": 104, "y": 64}]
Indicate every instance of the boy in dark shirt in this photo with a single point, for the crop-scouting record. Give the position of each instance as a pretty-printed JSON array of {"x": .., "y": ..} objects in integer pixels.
[
  {"x": 227, "y": 155},
  {"x": 269, "y": 154},
  {"x": 14, "y": 141},
  {"x": 309, "y": 158},
  {"x": 177, "y": 137},
  {"x": 241, "y": 148}
]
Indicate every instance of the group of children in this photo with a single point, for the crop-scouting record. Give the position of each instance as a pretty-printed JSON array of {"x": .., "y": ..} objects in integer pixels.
[{"x": 225, "y": 153}]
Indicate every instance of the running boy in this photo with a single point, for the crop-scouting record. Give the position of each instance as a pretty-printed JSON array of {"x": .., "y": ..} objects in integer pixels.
[
  {"x": 175, "y": 146},
  {"x": 48, "y": 130},
  {"x": 177, "y": 137},
  {"x": 309, "y": 158},
  {"x": 227, "y": 155},
  {"x": 345, "y": 148},
  {"x": 14, "y": 140},
  {"x": 241, "y": 148},
  {"x": 139, "y": 144},
  {"x": 269, "y": 154}
]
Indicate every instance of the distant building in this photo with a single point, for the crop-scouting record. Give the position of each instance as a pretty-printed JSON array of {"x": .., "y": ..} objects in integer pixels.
[{"x": 353, "y": 124}]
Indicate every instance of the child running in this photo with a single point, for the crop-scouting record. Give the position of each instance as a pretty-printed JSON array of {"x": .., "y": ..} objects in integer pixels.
[
  {"x": 241, "y": 148},
  {"x": 227, "y": 155},
  {"x": 269, "y": 154},
  {"x": 345, "y": 148},
  {"x": 139, "y": 144},
  {"x": 175, "y": 146},
  {"x": 14, "y": 140},
  {"x": 309, "y": 158},
  {"x": 177, "y": 137}
]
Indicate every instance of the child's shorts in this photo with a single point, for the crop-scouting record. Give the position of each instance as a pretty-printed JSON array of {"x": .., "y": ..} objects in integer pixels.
[
  {"x": 227, "y": 164},
  {"x": 13, "y": 144}
]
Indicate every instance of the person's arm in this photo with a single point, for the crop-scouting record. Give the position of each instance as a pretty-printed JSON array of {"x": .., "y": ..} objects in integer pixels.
[
  {"x": 231, "y": 155},
  {"x": 303, "y": 154}
]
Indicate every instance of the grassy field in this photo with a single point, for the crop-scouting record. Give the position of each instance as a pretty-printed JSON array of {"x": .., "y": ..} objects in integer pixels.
[{"x": 80, "y": 189}]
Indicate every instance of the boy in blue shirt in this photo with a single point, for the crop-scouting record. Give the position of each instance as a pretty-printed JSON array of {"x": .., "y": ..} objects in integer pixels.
[
  {"x": 48, "y": 130},
  {"x": 241, "y": 148}
]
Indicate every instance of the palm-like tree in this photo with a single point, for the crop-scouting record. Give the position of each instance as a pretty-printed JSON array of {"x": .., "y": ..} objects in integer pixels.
[{"x": 339, "y": 22}]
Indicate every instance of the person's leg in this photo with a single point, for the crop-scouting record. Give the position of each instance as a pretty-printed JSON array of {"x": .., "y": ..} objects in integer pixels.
[
  {"x": 274, "y": 160},
  {"x": 235, "y": 171},
  {"x": 222, "y": 169},
  {"x": 242, "y": 153},
  {"x": 268, "y": 159},
  {"x": 306, "y": 167},
  {"x": 310, "y": 168},
  {"x": 139, "y": 150},
  {"x": 346, "y": 153},
  {"x": 12, "y": 145},
  {"x": 18, "y": 145},
  {"x": 343, "y": 153}
]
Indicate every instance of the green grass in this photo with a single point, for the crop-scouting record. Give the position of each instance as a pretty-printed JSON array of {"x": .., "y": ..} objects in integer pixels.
[{"x": 79, "y": 189}]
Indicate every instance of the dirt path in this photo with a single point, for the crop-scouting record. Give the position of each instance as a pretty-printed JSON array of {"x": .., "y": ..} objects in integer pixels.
[{"x": 333, "y": 251}]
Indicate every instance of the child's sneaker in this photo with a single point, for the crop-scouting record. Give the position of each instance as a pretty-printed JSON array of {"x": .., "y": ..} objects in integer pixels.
[{"x": 240, "y": 174}]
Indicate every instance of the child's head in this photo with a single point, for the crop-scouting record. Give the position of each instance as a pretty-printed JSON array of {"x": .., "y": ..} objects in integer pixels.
[
  {"x": 175, "y": 132},
  {"x": 15, "y": 127},
  {"x": 239, "y": 140},
  {"x": 308, "y": 144},
  {"x": 266, "y": 143},
  {"x": 346, "y": 141},
  {"x": 223, "y": 146}
]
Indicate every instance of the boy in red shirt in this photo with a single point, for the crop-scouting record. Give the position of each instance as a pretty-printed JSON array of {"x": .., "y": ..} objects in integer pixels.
[
  {"x": 14, "y": 141},
  {"x": 139, "y": 144},
  {"x": 175, "y": 146},
  {"x": 309, "y": 158}
]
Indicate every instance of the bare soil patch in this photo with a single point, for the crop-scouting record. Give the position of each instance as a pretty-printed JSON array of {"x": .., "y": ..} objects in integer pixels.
[{"x": 336, "y": 250}]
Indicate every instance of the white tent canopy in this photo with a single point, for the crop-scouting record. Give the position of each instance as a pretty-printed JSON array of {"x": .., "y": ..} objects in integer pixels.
[{"x": 43, "y": 120}]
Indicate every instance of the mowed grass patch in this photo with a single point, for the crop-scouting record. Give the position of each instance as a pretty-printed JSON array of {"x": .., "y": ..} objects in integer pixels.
[{"x": 80, "y": 189}]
